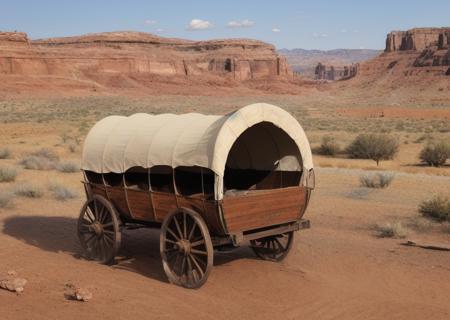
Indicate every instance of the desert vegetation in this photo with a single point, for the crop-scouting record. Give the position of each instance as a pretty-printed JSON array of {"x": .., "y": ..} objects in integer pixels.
[
  {"x": 6, "y": 199},
  {"x": 7, "y": 173},
  {"x": 391, "y": 230},
  {"x": 62, "y": 192},
  {"x": 435, "y": 153},
  {"x": 68, "y": 166},
  {"x": 377, "y": 180},
  {"x": 42, "y": 159},
  {"x": 436, "y": 208},
  {"x": 28, "y": 190},
  {"x": 373, "y": 146},
  {"x": 329, "y": 146},
  {"x": 5, "y": 153}
]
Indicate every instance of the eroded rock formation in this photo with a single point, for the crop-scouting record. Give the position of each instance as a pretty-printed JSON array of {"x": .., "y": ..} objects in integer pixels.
[
  {"x": 335, "y": 73},
  {"x": 98, "y": 58}
]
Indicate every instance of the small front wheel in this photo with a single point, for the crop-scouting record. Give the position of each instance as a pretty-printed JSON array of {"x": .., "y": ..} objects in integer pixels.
[
  {"x": 186, "y": 248},
  {"x": 273, "y": 248},
  {"x": 99, "y": 230}
]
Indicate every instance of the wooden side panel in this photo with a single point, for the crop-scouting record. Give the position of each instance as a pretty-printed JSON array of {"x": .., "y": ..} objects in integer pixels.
[
  {"x": 258, "y": 209},
  {"x": 140, "y": 204},
  {"x": 207, "y": 209},
  {"x": 116, "y": 196},
  {"x": 99, "y": 189},
  {"x": 163, "y": 203}
]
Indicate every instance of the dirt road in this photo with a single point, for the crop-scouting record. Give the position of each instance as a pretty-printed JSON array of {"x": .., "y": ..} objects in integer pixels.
[{"x": 336, "y": 270}]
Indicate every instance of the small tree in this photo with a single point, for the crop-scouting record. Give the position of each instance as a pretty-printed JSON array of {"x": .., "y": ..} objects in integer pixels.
[
  {"x": 373, "y": 146},
  {"x": 435, "y": 154}
]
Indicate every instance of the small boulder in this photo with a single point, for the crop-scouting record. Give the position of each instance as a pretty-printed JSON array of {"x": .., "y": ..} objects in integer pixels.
[
  {"x": 82, "y": 294},
  {"x": 13, "y": 284}
]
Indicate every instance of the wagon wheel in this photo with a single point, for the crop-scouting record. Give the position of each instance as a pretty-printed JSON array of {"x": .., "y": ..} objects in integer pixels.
[
  {"x": 98, "y": 230},
  {"x": 186, "y": 248},
  {"x": 273, "y": 248}
]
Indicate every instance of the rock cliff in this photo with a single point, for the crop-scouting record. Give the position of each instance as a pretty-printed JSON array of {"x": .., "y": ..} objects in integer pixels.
[{"x": 101, "y": 58}]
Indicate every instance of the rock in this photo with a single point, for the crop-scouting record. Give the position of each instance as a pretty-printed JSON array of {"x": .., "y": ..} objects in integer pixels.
[
  {"x": 417, "y": 39},
  {"x": 124, "y": 59},
  {"x": 12, "y": 273},
  {"x": 13, "y": 284},
  {"x": 82, "y": 294}
]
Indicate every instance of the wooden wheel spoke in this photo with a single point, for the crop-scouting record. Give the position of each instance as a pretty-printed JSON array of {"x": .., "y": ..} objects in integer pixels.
[
  {"x": 201, "y": 252},
  {"x": 178, "y": 227},
  {"x": 90, "y": 216},
  {"x": 173, "y": 234},
  {"x": 197, "y": 243},
  {"x": 184, "y": 226},
  {"x": 108, "y": 225},
  {"x": 191, "y": 233},
  {"x": 96, "y": 210},
  {"x": 197, "y": 265},
  {"x": 170, "y": 241}
]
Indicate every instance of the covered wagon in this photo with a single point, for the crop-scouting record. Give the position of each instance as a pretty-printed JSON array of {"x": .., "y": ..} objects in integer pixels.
[{"x": 208, "y": 182}]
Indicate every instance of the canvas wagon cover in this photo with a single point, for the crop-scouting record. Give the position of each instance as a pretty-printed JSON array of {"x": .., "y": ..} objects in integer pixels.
[{"x": 117, "y": 143}]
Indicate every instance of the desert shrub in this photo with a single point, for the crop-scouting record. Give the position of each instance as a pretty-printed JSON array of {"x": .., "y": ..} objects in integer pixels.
[
  {"x": 435, "y": 154},
  {"x": 72, "y": 147},
  {"x": 373, "y": 146},
  {"x": 436, "y": 208},
  {"x": 7, "y": 173},
  {"x": 42, "y": 159},
  {"x": 5, "y": 153},
  {"x": 61, "y": 192},
  {"x": 329, "y": 146},
  {"x": 6, "y": 199},
  {"x": 377, "y": 180},
  {"x": 68, "y": 166},
  {"x": 392, "y": 230},
  {"x": 29, "y": 190}
]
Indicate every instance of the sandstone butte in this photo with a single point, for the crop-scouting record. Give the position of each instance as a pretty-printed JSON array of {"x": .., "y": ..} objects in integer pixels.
[{"x": 121, "y": 59}]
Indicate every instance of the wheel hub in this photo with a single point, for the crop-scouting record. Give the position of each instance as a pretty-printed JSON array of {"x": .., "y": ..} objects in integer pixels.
[
  {"x": 97, "y": 228},
  {"x": 184, "y": 246}
]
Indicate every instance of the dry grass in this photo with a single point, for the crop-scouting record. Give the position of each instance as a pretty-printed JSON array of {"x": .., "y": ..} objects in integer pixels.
[
  {"x": 6, "y": 199},
  {"x": 28, "y": 190},
  {"x": 42, "y": 159},
  {"x": 7, "y": 173},
  {"x": 377, "y": 179},
  {"x": 68, "y": 166},
  {"x": 391, "y": 230},
  {"x": 436, "y": 208},
  {"x": 61, "y": 192},
  {"x": 5, "y": 153}
]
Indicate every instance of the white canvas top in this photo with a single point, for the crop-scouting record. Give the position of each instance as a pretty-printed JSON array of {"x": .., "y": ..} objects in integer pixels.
[{"x": 117, "y": 143}]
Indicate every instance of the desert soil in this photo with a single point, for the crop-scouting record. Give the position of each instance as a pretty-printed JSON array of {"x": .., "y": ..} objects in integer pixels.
[{"x": 338, "y": 269}]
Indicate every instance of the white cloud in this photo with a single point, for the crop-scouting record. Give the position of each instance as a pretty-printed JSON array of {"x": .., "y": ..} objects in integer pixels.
[
  {"x": 343, "y": 30},
  {"x": 159, "y": 30},
  {"x": 199, "y": 24},
  {"x": 149, "y": 22},
  {"x": 320, "y": 35},
  {"x": 240, "y": 24},
  {"x": 276, "y": 30}
]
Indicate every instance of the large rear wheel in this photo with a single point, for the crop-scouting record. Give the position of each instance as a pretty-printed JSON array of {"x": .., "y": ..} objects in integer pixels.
[
  {"x": 186, "y": 248},
  {"x": 99, "y": 230}
]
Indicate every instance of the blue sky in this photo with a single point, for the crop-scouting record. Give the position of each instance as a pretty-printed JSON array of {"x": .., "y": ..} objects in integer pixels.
[{"x": 312, "y": 24}]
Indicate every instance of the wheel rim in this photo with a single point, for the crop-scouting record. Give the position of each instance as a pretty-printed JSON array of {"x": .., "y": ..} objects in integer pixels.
[
  {"x": 273, "y": 248},
  {"x": 186, "y": 249},
  {"x": 98, "y": 230}
]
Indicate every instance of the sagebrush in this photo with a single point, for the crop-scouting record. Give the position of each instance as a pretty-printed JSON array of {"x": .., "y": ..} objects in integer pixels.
[
  {"x": 377, "y": 180},
  {"x": 373, "y": 146},
  {"x": 435, "y": 154},
  {"x": 436, "y": 208}
]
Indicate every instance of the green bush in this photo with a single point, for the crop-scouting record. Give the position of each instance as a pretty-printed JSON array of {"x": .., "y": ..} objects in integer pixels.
[
  {"x": 435, "y": 154},
  {"x": 329, "y": 146},
  {"x": 436, "y": 208},
  {"x": 373, "y": 146},
  {"x": 7, "y": 173},
  {"x": 377, "y": 180}
]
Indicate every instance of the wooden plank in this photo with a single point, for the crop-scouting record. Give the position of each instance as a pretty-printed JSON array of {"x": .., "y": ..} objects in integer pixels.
[
  {"x": 98, "y": 189},
  {"x": 140, "y": 204},
  {"x": 163, "y": 203},
  {"x": 116, "y": 195},
  {"x": 260, "y": 209}
]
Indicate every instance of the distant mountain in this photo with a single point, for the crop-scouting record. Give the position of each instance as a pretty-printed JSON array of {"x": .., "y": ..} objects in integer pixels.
[{"x": 304, "y": 61}]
